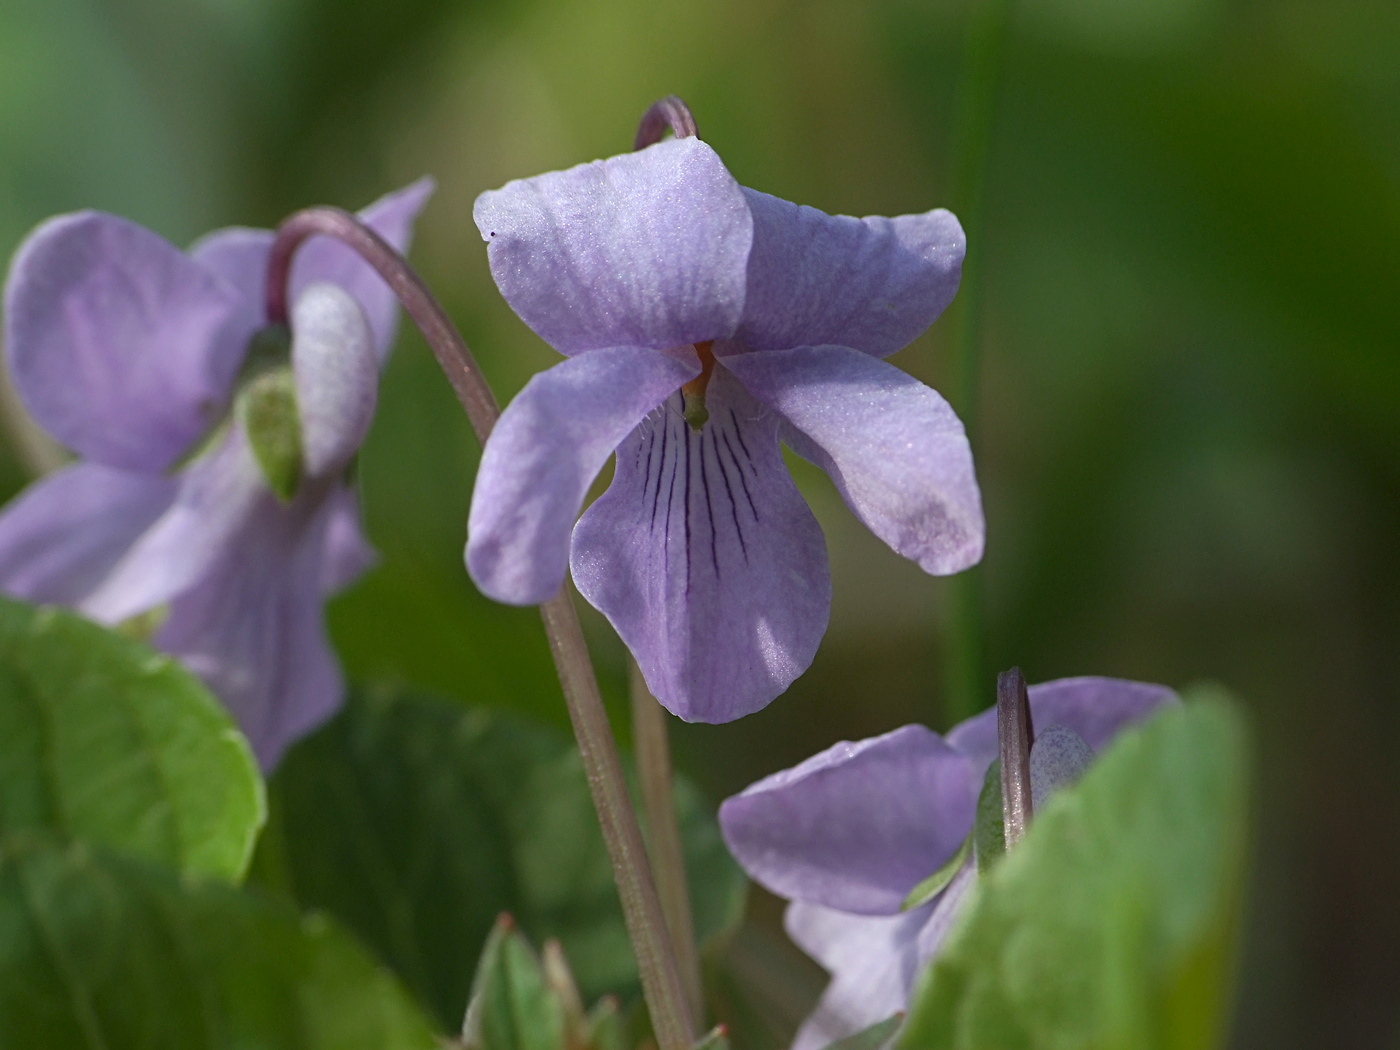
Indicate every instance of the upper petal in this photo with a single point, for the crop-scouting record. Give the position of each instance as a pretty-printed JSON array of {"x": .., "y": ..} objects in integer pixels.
[
  {"x": 63, "y": 534},
  {"x": 894, "y": 447},
  {"x": 122, "y": 347},
  {"x": 873, "y": 961},
  {"x": 645, "y": 249},
  {"x": 348, "y": 554},
  {"x": 240, "y": 255},
  {"x": 253, "y": 629},
  {"x": 337, "y": 376},
  {"x": 1095, "y": 708},
  {"x": 873, "y": 283},
  {"x": 545, "y": 451},
  {"x": 706, "y": 560},
  {"x": 857, "y": 826}
]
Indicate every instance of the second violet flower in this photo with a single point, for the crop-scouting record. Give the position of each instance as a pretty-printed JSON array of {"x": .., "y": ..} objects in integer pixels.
[{"x": 703, "y": 322}]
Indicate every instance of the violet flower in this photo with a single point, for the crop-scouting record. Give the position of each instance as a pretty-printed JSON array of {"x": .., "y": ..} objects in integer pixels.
[
  {"x": 849, "y": 833},
  {"x": 702, "y": 322},
  {"x": 129, "y": 352}
]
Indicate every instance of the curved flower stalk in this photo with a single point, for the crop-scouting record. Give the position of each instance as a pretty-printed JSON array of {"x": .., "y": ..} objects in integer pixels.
[
  {"x": 849, "y": 834},
  {"x": 211, "y": 503},
  {"x": 702, "y": 322}
]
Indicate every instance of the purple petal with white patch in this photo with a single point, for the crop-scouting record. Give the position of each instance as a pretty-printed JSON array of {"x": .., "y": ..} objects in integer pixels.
[
  {"x": 874, "y": 284},
  {"x": 62, "y": 536},
  {"x": 706, "y": 559},
  {"x": 895, "y": 449},
  {"x": 121, "y": 346},
  {"x": 549, "y": 445},
  {"x": 647, "y": 249},
  {"x": 857, "y": 826}
]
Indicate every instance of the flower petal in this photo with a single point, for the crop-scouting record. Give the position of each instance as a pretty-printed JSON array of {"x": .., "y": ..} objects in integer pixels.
[
  {"x": 239, "y": 255},
  {"x": 1059, "y": 757},
  {"x": 873, "y": 961},
  {"x": 122, "y": 347},
  {"x": 348, "y": 553},
  {"x": 857, "y": 826},
  {"x": 545, "y": 451},
  {"x": 1098, "y": 709},
  {"x": 218, "y": 494},
  {"x": 252, "y": 627},
  {"x": 873, "y": 284},
  {"x": 706, "y": 560},
  {"x": 63, "y": 534},
  {"x": 893, "y": 447},
  {"x": 337, "y": 376},
  {"x": 646, "y": 249}
]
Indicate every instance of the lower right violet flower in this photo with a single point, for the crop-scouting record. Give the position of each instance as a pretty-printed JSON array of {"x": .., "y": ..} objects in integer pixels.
[{"x": 850, "y": 833}]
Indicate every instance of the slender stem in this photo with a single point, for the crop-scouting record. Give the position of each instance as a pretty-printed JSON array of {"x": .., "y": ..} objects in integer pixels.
[
  {"x": 641, "y": 906},
  {"x": 666, "y": 113},
  {"x": 653, "y": 746},
  {"x": 964, "y": 661},
  {"x": 1015, "y": 735}
]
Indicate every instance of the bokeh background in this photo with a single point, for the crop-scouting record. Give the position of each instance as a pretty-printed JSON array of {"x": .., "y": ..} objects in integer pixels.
[{"x": 1188, "y": 425}]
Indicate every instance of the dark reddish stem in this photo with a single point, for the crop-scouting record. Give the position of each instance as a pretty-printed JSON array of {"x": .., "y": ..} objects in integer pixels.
[
  {"x": 662, "y": 984},
  {"x": 1015, "y": 734},
  {"x": 422, "y": 307},
  {"x": 669, "y": 113}
]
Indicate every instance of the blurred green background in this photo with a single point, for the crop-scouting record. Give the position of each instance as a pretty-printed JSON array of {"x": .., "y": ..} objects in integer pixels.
[{"x": 1189, "y": 421}]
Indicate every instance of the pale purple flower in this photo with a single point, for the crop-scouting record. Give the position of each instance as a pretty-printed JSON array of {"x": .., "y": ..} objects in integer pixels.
[
  {"x": 849, "y": 833},
  {"x": 654, "y": 271},
  {"x": 128, "y": 351}
]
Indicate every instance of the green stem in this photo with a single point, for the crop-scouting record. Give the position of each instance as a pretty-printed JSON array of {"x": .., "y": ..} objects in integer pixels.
[
  {"x": 964, "y": 658},
  {"x": 641, "y": 906}
]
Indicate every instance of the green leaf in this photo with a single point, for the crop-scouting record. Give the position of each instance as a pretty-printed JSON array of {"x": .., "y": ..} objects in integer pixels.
[
  {"x": 1112, "y": 925},
  {"x": 102, "y": 951},
  {"x": 416, "y": 821},
  {"x": 936, "y": 883},
  {"x": 102, "y": 739},
  {"x": 267, "y": 407},
  {"x": 876, "y": 1037},
  {"x": 512, "y": 1006}
]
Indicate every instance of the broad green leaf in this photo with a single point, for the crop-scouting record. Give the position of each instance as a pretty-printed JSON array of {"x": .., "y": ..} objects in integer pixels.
[
  {"x": 103, "y": 740},
  {"x": 1112, "y": 925},
  {"x": 416, "y": 821},
  {"x": 512, "y": 1005},
  {"x": 102, "y": 951}
]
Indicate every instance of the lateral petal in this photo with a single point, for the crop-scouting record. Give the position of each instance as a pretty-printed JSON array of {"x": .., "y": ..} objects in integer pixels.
[
  {"x": 857, "y": 826},
  {"x": 547, "y": 448},
  {"x": 706, "y": 559},
  {"x": 63, "y": 534},
  {"x": 873, "y": 284},
  {"x": 644, "y": 249},
  {"x": 121, "y": 346},
  {"x": 895, "y": 449}
]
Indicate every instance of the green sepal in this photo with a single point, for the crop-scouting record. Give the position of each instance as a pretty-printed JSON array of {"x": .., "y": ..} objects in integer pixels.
[
  {"x": 989, "y": 828},
  {"x": 876, "y": 1037},
  {"x": 606, "y": 1028},
  {"x": 716, "y": 1038},
  {"x": 936, "y": 883},
  {"x": 512, "y": 1005},
  {"x": 267, "y": 408}
]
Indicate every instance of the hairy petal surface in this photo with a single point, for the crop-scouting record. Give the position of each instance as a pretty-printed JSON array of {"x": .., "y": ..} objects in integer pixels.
[
  {"x": 240, "y": 255},
  {"x": 645, "y": 249},
  {"x": 706, "y": 560},
  {"x": 63, "y": 534},
  {"x": 337, "y": 376},
  {"x": 894, "y": 448},
  {"x": 857, "y": 826},
  {"x": 217, "y": 495},
  {"x": 547, "y": 448},
  {"x": 252, "y": 626},
  {"x": 1095, "y": 708},
  {"x": 348, "y": 554},
  {"x": 874, "y": 284},
  {"x": 121, "y": 346},
  {"x": 873, "y": 961}
]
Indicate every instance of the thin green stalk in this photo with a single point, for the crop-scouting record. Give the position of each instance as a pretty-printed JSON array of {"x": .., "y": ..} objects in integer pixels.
[
  {"x": 653, "y": 745},
  {"x": 964, "y": 656},
  {"x": 641, "y": 906}
]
